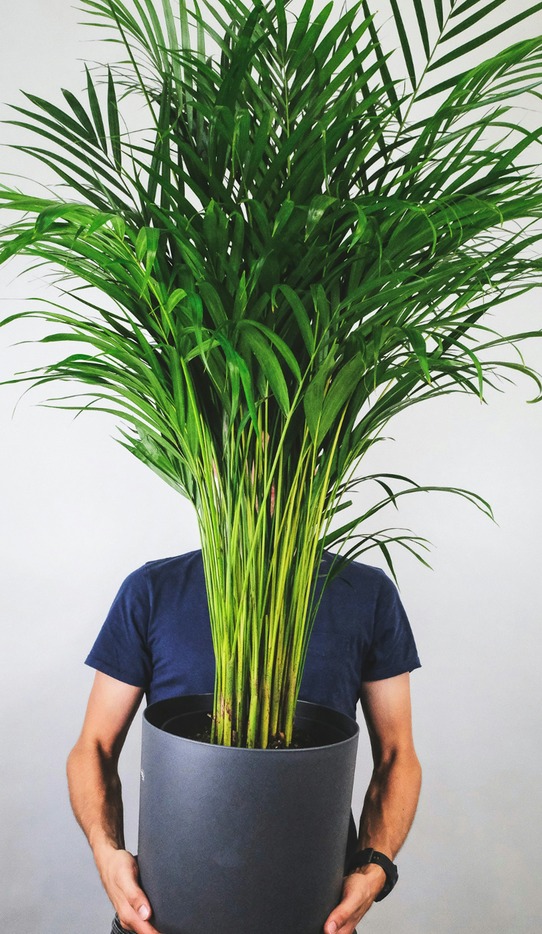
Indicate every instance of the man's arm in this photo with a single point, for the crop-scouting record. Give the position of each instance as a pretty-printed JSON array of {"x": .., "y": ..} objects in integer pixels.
[
  {"x": 391, "y": 799},
  {"x": 96, "y": 797}
]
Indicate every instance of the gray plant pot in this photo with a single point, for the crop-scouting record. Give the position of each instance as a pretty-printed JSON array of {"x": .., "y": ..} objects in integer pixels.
[{"x": 243, "y": 840}]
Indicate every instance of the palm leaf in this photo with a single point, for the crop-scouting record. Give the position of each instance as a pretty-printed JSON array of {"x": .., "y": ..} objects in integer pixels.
[
  {"x": 302, "y": 242},
  {"x": 462, "y": 24}
]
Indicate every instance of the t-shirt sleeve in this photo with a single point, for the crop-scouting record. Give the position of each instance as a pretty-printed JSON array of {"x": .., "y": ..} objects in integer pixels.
[
  {"x": 121, "y": 649},
  {"x": 393, "y": 649}
]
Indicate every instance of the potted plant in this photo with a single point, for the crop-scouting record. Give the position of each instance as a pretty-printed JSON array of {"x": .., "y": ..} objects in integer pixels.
[{"x": 295, "y": 244}]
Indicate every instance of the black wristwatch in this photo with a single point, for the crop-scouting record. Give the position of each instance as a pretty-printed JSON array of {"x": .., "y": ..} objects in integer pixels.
[{"x": 364, "y": 857}]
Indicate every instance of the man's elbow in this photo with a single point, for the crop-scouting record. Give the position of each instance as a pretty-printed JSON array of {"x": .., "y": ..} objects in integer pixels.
[
  {"x": 88, "y": 755},
  {"x": 416, "y": 769},
  {"x": 408, "y": 760},
  {"x": 402, "y": 762},
  {"x": 75, "y": 762}
]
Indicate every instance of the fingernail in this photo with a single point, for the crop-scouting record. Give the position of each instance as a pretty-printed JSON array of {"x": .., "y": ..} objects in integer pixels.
[
  {"x": 143, "y": 912},
  {"x": 332, "y": 929}
]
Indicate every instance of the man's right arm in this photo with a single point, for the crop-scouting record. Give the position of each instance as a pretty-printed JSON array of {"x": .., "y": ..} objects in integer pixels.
[{"x": 96, "y": 797}]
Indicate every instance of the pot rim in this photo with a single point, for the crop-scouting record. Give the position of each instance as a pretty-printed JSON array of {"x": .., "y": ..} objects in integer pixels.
[{"x": 328, "y": 715}]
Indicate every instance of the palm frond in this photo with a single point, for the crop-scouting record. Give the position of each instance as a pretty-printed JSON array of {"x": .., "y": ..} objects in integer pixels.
[
  {"x": 302, "y": 240},
  {"x": 431, "y": 37}
]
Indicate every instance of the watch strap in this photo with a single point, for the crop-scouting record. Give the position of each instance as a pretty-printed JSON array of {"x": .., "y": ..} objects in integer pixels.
[{"x": 367, "y": 856}]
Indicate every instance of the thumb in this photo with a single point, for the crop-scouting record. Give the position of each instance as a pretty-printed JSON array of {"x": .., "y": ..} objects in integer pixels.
[
  {"x": 144, "y": 911},
  {"x": 138, "y": 901},
  {"x": 343, "y": 917},
  {"x": 335, "y": 921}
]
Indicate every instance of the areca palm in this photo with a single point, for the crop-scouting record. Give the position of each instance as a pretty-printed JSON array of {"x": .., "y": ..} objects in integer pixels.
[{"x": 303, "y": 240}]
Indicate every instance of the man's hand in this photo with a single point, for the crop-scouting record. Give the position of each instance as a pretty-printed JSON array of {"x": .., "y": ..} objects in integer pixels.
[
  {"x": 359, "y": 892},
  {"x": 120, "y": 877}
]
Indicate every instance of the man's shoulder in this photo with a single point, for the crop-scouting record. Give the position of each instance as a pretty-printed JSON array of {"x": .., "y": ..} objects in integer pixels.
[
  {"x": 190, "y": 560},
  {"x": 356, "y": 574},
  {"x": 162, "y": 571}
]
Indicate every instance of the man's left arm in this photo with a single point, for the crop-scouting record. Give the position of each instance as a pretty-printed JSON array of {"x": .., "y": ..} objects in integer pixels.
[{"x": 391, "y": 799}]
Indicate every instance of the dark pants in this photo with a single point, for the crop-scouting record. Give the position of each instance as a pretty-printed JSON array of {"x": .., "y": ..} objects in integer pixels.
[{"x": 117, "y": 929}]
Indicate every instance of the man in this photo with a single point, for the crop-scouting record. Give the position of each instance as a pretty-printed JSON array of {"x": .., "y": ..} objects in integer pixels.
[{"x": 156, "y": 641}]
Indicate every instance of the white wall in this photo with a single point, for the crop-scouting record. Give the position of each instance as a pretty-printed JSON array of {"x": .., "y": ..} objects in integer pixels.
[{"x": 77, "y": 514}]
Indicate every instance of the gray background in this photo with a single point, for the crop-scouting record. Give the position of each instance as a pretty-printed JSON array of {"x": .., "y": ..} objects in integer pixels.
[{"x": 78, "y": 514}]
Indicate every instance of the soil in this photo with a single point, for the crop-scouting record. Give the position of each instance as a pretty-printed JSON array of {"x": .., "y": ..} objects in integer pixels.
[{"x": 302, "y": 738}]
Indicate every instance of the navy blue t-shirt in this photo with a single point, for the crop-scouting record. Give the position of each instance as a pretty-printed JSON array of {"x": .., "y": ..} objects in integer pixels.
[{"x": 157, "y": 634}]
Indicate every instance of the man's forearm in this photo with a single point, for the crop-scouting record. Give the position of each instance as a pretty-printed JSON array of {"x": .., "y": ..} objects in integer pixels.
[
  {"x": 391, "y": 799},
  {"x": 388, "y": 812},
  {"x": 390, "y": 804},
  {"x": 96, "y": 798}
]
